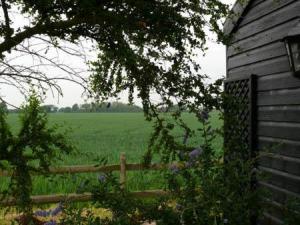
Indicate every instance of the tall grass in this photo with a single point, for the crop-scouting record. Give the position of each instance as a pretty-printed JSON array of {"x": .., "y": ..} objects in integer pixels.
[{"x": 106, "y": 135}]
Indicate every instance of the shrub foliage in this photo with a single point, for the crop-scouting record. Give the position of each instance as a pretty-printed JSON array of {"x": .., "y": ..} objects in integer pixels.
[{"x": 35, "y": 146}]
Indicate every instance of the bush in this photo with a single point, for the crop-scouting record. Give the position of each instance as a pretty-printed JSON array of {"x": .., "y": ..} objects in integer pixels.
[
  {"x": 33, "y": 149},
  {"x": 203, "y": 189}
]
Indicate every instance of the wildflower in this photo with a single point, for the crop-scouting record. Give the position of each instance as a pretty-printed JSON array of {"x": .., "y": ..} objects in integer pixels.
[
  {"x": 101, "y": 178},
  {"x": 189, "y": 164},
  {"x": 185, "y": 137},
  {"x": 42, "y": 213},
  {"x": 178, "y": 207},
  {"x": 174, "y": 169},
  {"x": 57, "y": 210},
  {"x": 204, "y": 115},
  {"x": 53, "y": 212},
  {"x": 193, "y": 156},
  {"x": 195, "y": 153},
  {"x": 51, "y": 222}
]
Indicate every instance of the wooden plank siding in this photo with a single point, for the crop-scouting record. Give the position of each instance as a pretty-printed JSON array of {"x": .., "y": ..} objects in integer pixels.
[
  {"x": 280, "y": 130},
  {"x": 262, "y": 53},
  {"x": 286, "y": 164},
  {"x": 279, "y": 97},
  {"x": 262, "y": 9},
  {"x": 277, "y": 81},
  {"x": 279, "y": 113},
  {"x": 269, "y": 36},
  {"x": 277, "y": 17},
  {"x": 283, "y": 147},
  {"x": 257, "y": 48},
  {"x": 262, "y": 68}
]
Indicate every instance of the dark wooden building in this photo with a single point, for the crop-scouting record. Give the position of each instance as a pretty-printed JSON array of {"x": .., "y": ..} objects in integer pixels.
[{"x": 260, "y": 65}]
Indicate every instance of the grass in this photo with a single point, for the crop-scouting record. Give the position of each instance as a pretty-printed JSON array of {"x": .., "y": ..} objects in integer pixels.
[{"x": 98, "y": 135}]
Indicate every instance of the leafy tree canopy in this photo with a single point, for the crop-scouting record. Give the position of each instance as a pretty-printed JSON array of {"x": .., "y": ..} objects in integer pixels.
[{"x": 144, "y": 47}]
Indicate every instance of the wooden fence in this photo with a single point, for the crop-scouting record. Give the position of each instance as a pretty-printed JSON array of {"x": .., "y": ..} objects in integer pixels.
[{"x": 123, "y": 167}]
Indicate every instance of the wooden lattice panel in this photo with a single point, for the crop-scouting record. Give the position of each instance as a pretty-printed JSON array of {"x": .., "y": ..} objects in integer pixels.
[{"x": 240, "y": 111}]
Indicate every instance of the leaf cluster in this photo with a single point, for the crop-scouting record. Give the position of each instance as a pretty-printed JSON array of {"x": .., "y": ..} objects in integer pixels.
[{"x": 33, "y": 149}]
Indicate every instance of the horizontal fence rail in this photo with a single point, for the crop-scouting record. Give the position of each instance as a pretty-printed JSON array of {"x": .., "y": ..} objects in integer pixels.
[
  {"x": 92, "y": 169},
  {"x": 123, "y": 167}
]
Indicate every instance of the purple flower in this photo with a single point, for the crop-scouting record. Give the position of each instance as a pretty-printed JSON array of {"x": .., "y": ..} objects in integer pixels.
[
  {"x": 57, "y": 210},
  {"x": 185, "y": 138},
  {"x": 42, "y": 213},
  {"x": 178, "y": 207},
  {"x": 195, "y": 153},
  {"x": 53, "y": 212},
  {"x": 52, "y": 222},
  {"x": 174, "y": 168},
  {"x": 189, "y": 164},
  {"x": 101, "y": 178},
  {"x": 204, "y": 115}
]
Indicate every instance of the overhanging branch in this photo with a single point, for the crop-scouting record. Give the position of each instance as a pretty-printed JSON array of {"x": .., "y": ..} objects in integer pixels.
[
  {"x": 49, "y": 28},
  {"x": 8, "y": 30}
]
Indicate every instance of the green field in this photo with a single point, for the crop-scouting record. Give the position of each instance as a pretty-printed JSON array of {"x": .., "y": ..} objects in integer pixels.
[{"x": 98, "y": 135}]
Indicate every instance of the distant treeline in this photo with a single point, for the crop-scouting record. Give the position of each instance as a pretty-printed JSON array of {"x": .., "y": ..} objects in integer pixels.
[{"x": 105, "y": 107}]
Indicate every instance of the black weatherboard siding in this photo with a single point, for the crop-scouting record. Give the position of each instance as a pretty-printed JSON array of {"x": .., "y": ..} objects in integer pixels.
[{"x": 257, "y": 49}]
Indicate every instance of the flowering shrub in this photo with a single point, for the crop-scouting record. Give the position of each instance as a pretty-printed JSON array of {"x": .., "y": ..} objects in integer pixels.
[
  {"x": 52, "y": 212},
  {"x": 203, "y": 190},
  {"x": 33, "y": 149}
]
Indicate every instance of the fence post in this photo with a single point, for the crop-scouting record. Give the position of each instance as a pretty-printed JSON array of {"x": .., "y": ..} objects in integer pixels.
[{"x": 123, "y": 170}]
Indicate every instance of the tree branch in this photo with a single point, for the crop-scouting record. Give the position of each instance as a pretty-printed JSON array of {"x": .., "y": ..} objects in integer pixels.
[
  {"x": 8, "y": 30},
  {"x": 51, "y": 29}
]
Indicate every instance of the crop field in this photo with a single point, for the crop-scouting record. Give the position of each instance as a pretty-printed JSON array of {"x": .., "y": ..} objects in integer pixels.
[{"x": 105, "y": 135}]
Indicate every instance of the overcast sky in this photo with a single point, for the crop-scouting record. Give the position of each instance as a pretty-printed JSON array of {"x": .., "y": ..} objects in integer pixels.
[{"x": 213, "y": 64}]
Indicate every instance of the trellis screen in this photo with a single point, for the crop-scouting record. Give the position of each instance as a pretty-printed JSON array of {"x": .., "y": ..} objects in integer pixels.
[{"x": 240, "y": 112}]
